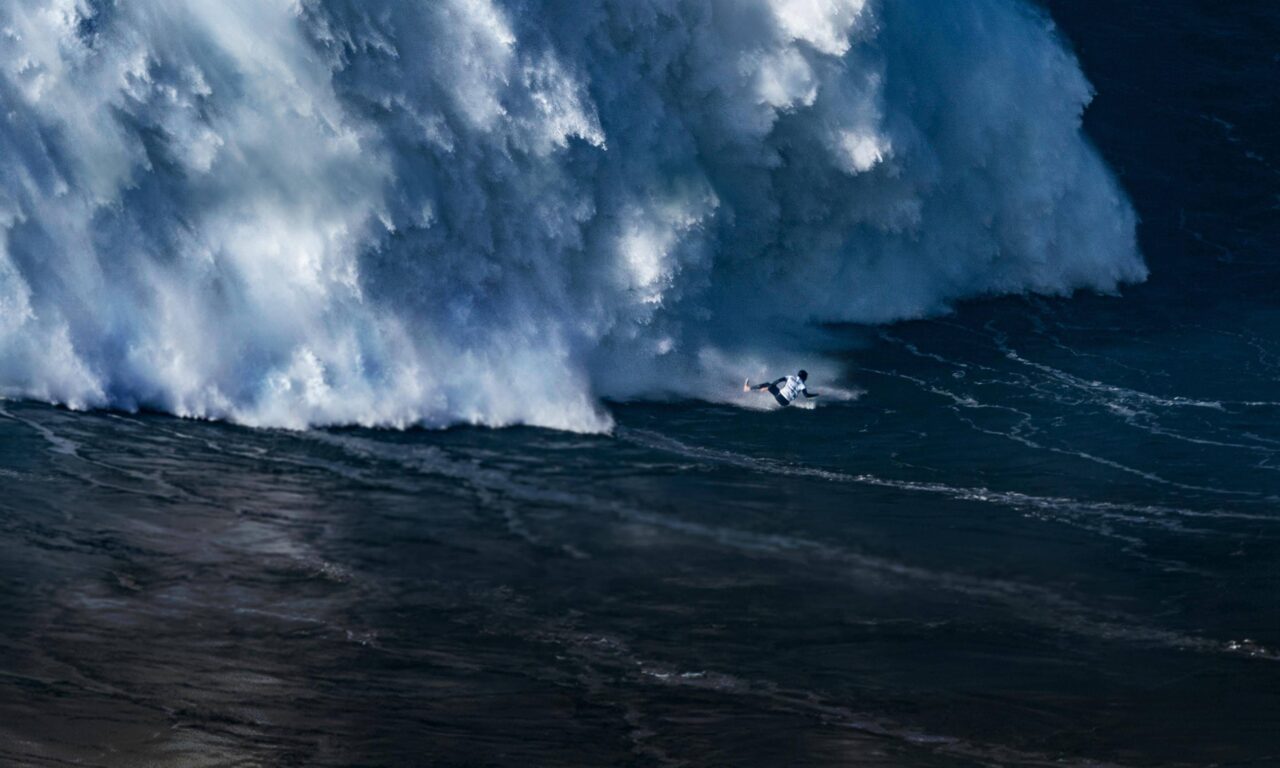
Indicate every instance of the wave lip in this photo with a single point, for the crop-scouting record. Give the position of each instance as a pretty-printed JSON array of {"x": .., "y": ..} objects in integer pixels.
[{"x": 336, "y": 212}]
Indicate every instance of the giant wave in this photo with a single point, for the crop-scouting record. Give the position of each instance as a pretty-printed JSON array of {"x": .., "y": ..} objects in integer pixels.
[{"x": 396, "y": 212}]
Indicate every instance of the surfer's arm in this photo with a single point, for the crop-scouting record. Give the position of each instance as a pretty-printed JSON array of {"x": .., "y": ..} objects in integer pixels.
[{"x": 807, "y": 393}]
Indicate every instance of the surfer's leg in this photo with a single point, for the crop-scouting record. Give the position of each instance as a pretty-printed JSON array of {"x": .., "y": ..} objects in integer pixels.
[{"x": 777, "y": 395}]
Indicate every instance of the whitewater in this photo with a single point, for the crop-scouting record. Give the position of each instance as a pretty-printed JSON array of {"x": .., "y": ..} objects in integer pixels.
[{"x": 387, "y": 213}]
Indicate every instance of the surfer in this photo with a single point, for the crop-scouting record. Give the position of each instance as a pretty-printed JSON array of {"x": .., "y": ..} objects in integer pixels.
[{"x": 785, "y": 389}]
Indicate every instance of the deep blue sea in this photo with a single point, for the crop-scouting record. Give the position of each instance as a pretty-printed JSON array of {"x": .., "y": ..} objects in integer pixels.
[{"x": 1045, "y": 531}]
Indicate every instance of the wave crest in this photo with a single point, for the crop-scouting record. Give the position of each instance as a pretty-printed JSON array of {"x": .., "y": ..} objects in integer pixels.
[{"x": 299, "y": 212}]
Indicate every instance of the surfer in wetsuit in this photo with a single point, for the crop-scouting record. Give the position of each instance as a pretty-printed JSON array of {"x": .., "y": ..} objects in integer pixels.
[{"x": 785, "y": 389}]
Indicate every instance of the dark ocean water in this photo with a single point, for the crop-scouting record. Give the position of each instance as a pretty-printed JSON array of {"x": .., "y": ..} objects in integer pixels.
[{"x": 1048, "y": 532}]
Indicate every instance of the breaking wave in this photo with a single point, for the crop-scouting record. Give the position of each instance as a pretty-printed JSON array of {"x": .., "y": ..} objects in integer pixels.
[{"x": 388, "y": 212}]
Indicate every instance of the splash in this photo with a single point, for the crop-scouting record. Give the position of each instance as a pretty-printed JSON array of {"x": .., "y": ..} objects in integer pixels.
[{"x": 379, "y": 212}]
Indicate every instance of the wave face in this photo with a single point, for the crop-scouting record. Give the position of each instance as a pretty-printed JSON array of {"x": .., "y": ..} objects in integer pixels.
[{"x": 391, "y": 212}]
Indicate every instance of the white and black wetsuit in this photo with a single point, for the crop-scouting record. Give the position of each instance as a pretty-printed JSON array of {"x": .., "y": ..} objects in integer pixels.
[{"x": 787, "y": 389}]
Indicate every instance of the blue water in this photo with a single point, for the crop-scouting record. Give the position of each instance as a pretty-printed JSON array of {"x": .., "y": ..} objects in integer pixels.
[{"x": 1045, "y": 532}]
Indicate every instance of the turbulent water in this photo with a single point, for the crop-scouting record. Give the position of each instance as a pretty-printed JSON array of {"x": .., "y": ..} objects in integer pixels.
[
  {"x": 326, "y": 212},
  {"x": 1026, "y": 524}
]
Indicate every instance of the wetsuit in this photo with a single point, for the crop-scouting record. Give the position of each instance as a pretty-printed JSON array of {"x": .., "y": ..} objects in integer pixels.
[{"x": 786, "y": 389}]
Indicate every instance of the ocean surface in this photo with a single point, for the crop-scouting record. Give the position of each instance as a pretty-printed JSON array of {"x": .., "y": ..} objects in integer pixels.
[{"x": 1032, "y": 530}]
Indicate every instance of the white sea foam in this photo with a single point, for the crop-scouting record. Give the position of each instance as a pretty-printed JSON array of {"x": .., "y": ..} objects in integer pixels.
[{"x": 295, "y": 212}]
